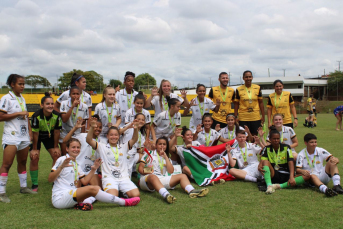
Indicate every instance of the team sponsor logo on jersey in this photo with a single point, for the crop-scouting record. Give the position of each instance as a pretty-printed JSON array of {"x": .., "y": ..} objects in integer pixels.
[
  {"x": 23, "y": 130},
  {"x": 116, "y": 173},
  {"x": 317, "y": 162},
  {"x": 250, "y": 155},
  {"x": 87, "y": 168}
]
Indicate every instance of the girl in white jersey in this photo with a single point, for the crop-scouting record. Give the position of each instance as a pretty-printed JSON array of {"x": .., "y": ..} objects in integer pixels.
[
  {"x": 72, "y": 110},
  {"x": 229, "y": 132},
  {"x": 158, "y": 97},
  {"x": 155, "y": 167},
  {"x": 199, "y": 106},
  {"x": 16, "y": 136},
  {"x": 166, "y": 122},
  {"x": 80, "y": 82},
  {"x": 87, "y": 155},
  {"x": 246, "y": 156},
  {"x": 177, "y": 151},
  {"x": 116, "y": 158},
  {"x": 207, "y": 136},
  {"x": 108, "y": 111},
  {"x": 68, "y": 177},
  {"x": 287, "y": 134}
]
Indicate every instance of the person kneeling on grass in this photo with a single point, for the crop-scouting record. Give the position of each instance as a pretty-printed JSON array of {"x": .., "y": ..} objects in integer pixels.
[
  {"x": 68, "y": 177},
  {"x": 277, "y": 165},
  {"x": 155, "y": 177},
  {"x": 245, "y": 154},
  {"x": 310, "y": 163}
]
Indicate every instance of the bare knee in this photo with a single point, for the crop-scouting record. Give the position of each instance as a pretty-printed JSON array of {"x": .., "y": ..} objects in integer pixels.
[
  {"x": 94, "y": 189},
  {"x": 306, "y": 177}
]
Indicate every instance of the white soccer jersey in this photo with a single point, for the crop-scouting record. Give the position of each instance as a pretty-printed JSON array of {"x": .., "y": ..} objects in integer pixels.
[
  {"x": 288, "y": 134},
  {"x": 17, "y": 127},
  {"x": 101, "y": 110},
  {"x": 84, "y": 98},
  {"x": 65, "y": 181},
  {"x": 108, "y": 167},
  {"x": 131, "y": 113},
  {"x": 82, "y": 112},
  {"x": 320, "y": 155},
  {"x": 252, "y": 151},
  {"x": 224, "y": 133},
  {"x": 213, "y": 137},
  {"x": 127, "y": 136},
  {"x": 122, "y": 99},
  {"x": 196, "y": 118},
  {"x": 84, "y": 158},
  {"x": 163, "y": 125},
  {"x": 179, "y": 151},
  {"x": 156, "y": 163},
  {"x": 157, "y": 105}
]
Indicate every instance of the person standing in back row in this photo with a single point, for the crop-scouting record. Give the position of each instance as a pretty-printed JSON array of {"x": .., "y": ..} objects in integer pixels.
[
  {"x": 222, "y": 96},
  {"x": 249, "y": 104},
  {"x": 126, "y": 96}
]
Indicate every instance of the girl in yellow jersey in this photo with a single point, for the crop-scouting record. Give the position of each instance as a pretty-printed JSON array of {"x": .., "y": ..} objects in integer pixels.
[
  {"x": 281, "y": 102},
  {"x": 249, "y": 104}
]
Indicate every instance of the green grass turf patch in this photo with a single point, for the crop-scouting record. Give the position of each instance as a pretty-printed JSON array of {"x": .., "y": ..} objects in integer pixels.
[{"x": 235, "y": 204}]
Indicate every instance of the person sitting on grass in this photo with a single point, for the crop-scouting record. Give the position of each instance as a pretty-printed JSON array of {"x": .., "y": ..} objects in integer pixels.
[
  {"x": 68, "y": 177},
  {"x": 277, "y": 165},
  {"x": 245, "y": 154},
  {"x": 154, "y": 168},
  {"x": 310, "y": 163}
]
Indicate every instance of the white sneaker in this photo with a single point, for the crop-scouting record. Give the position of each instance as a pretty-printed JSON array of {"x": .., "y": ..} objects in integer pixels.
[{"x": 270, "y": 189}]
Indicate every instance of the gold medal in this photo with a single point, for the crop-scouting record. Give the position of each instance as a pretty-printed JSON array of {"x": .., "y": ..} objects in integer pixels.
[
  {"x": 245, "y": 163},
  {"x": 93, "y": 157},
  {"x": 49, "y": 135},
  {"x": 147, "y": 169},
  {"x": 140, "y": 150},
  {"x": 109, "y": 124},
  {"x": 75, "y": 182},
  {"x": 79, "y": 118},
  {"x": 116, "y": 164},
  {"x": 276, "y": 167},
  {"x": 250, "y": 101},
  {"x": 224, "y": 103}
]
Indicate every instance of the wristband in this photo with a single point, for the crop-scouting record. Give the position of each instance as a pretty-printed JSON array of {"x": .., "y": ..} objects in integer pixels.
[{"x": 296, "y": 118}]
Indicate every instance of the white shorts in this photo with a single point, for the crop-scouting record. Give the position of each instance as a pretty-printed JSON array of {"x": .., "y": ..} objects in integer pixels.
[
  {"x": 122, "y": 185},
  {"x": 323, "y": 176},
  {"x": 62, "y": 136},
  {"x": 14, "y": 141},
  {"x": 252, "y": 170},
  {"x": 64, "y": 199},
  {"x": 165, "y": 180}
]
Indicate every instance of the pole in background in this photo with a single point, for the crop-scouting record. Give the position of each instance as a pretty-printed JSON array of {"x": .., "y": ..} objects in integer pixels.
[
  {"x": 268, "y": 73},
  {"x": 284, "y": 72},
  {"x": 339, "y": 69}
]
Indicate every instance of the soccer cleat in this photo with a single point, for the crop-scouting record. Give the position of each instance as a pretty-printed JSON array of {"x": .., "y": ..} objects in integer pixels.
[
  {"x": 330, "y": 193},
  {"x": 270, "y": 189},
  {"x": 4, "y": 198},
  {"x": 198, "y": 193},
  {"x": 338, "y": 189},
  {"x": 26, "y": 190},
  {"x": 276, "y": 186},
  {"x": 170, "y": 199},
  {"x": 132, "y": 201},
  {"x": 34, "y": 188},
  {"x": 83, "y": 206},
  {"x": 221, "y": 181}
]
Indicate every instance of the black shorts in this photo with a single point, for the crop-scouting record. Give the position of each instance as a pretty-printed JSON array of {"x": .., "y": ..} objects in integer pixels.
[
  {"x": 289, "y": 125},
  {"x": 280, "y": 178},
  {"x": 252, "y": 125},
  {"x": 310, "y": 112},
  {"x": 215, "y": 122},
  {"x": 48, "y": 143},
  {"x": 314, "y": 110}
]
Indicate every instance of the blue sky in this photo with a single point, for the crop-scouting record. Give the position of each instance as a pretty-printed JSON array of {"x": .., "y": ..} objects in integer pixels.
[{"x": 183, "y": 41}]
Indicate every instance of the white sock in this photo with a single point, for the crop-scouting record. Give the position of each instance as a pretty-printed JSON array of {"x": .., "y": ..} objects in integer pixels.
[
  {"x": 250, "y": 178},
  {"x": 336, "y": 179},
  {"x": 89, "y": 200},
  {"x": 108, "y": 198},
  {"x": 174, "y": 162},
  {"x": 3, "y": 182},
  {"x": 163, "y": 192},
  {"x": 189, "y": 188},
  {"x": 322, "y": 188},
  {"x": 22, "y": 179}
]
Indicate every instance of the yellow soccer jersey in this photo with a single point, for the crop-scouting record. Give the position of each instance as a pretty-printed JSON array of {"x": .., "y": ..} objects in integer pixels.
[
  {"x": 225, "y": 106},
  {"x": 309, "y": 104},
  {"x": 249, "y": 110},
  {"x": 282, "y": 104}
]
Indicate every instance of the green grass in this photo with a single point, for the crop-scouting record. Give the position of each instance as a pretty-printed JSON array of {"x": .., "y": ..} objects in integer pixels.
[{"x": 235, "y": 204}]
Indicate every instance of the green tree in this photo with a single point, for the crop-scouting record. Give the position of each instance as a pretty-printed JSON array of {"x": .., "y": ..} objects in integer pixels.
[
  {"x": 336, "y": 78},
  {"x": 115, "y": 83},
  {"x": 95, "y": 81},
  {"x": 35, "y": 80},
  {"x": 144, "y": 79}
]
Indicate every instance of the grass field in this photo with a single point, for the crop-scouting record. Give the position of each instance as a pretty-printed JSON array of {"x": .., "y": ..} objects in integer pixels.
[{"x": 235, "y": 204}]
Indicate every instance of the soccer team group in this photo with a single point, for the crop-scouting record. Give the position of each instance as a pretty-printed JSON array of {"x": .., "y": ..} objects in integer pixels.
[{"x": 95, "y": 156}]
